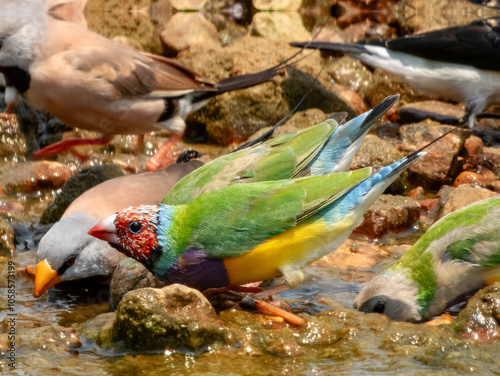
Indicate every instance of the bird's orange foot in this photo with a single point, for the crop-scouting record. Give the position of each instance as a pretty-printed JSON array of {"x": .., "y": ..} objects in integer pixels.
[
  {"x": 159, "y": 161},
  {"x": 249, "y": 302},
  {"x": 68, "y": 145}
]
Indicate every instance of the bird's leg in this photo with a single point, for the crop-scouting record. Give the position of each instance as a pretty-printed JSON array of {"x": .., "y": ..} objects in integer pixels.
[
  {"x": 68, "y": 144},
  {"x": 9, "y": 108},
  {"x": 159, "y": 161},
  {"x": 250, "y": 302}
]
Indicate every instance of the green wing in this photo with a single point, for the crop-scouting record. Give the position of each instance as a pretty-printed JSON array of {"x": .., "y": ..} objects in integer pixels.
[
  {"x": 277, "y": 159},
  {"x": 233, "y": 220},
  {"x": 470, "y": 234}
]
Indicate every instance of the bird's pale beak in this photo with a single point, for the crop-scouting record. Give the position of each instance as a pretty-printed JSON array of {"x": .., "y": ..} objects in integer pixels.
[
  {"x": 45, "y": 278},
  {"x": 105, "y": 230}
]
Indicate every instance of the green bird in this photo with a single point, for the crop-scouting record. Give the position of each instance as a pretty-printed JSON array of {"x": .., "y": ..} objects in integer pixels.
[
  {"x": 248, "y": 232},
  {"x": 459, "y": 254},
  {"x": 321, "y": 149}
]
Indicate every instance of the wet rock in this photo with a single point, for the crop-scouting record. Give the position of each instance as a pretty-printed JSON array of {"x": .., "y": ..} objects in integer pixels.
[
  {"x": 234, "y": 116},
  {"x": 174, "y": 317},
  {"x": 53, "y": 339},
  {"x": 285, "y": 26},
  {"x": 484, "y": 179},
  {"x": 383, "y": 84},
  {"x": 185, "y": 30},
  {"x": 462, "y": 196},
  {"x": 441, "y": 112},
  {"x": 31, "y": 177},
  {"x": 349, "y": 72},
  {"x": 474, "y": 155},
  {"x": 423, "y": 15},
  {"x": 479, "y": 320},
  {"x": 352, "y": 12},
  {"x": 353, "y": 254},
  {"x": 130, "y": 275},
  {"x": 187, "y": 4},
  {"x": 440, "y": 165},
  {"x": 277, "y": 4},
  {"x": 378, "y": 153},
  {"x": 75, "y": 186},
  {"x": 7, "y": 245},
  {"x": 389, "y": 214},
  {"x": 11, "y": 138},
  {"x": 139, "y": 20},
  {"x": 492, "y": 158}
]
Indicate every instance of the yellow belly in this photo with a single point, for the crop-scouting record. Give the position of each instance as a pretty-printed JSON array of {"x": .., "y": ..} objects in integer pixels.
[{"x": 285, "y": 249}]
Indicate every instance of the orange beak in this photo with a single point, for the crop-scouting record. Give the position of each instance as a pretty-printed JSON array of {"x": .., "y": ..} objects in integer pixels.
[{"x": 45, "y": 278}]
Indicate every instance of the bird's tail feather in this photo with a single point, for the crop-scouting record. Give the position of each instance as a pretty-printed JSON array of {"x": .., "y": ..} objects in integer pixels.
[
  {"x": 352, "y": 49},
  {"x": 361, "y": 196},
  {"x": 339, "y": 150}
]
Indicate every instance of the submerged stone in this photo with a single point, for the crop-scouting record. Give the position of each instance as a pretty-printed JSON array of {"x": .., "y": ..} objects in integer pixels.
[{"x": 174, "y": 317}]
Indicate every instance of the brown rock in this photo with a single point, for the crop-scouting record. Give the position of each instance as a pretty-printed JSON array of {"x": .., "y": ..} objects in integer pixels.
[
  {"x": 479, "y": 320},
  {"x": 440, "y": 111},
  {"x": 234, "y": 116},
  {"x": 464, "y": 195},
  {"x": 495, "y": 186},
  {"x": 173, "y": 317},
  {"x": 7, "y": 245},
  {"x": 187, "y": 4},
  {"x": 13, "y": 140},
  {"x": 277, "y": 4},
  {"x": 440, "y": 164},
  {"x": 378, "y": 153},
  {"x": 75, "y": 186},
  {"x": 130, "y": 275},
  {"x": 353, "y": 254},
  {"x": 285, "y": 26},
  {"x": 139, "y": 20},
  {"x": 492, "y": 158},
  {"x": 188, "y": 29},
  {"x": 389, "y": 214},
  {"x": 53, "y": 339},
  {"x": 416, "y": 193},
  {"x": 474, "y": 156},
  {"x": 483, "y": 179},
  {"x": 31, "y": 177}
]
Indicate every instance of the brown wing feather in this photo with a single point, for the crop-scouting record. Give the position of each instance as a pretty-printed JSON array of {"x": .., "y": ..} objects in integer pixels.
[
  {"x": 171, "y": 75},
  {"x": 133, "y": 74}
]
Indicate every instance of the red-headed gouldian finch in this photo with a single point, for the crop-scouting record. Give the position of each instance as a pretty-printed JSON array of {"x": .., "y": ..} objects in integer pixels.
[
  {"x": 248, "y": 232},
  {"x": 323, "y": 148}
]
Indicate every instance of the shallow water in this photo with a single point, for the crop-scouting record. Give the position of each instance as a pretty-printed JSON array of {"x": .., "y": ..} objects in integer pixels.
[{"x": 42, "y": 345}]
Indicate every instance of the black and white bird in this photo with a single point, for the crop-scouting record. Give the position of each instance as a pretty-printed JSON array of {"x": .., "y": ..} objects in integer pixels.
[{"x": 460, "y": 63}]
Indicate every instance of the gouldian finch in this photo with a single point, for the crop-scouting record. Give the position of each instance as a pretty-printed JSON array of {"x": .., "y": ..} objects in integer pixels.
[
  {"x": 248, "y": 232},
  {"x": 459, "y": 254},
  {"x": 325, "y": 147},
  {"x": 321, "y": 149}
]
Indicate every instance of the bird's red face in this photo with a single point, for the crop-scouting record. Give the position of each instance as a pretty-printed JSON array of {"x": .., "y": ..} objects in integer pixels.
[{"x": 133, "y": 230}]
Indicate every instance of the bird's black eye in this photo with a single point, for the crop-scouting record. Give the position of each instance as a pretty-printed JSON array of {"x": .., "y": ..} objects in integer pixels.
[
  {"x": 379, "y": 307},
  {"x": 67, "y": 264},
  {"x": 135, "y": 227}
]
